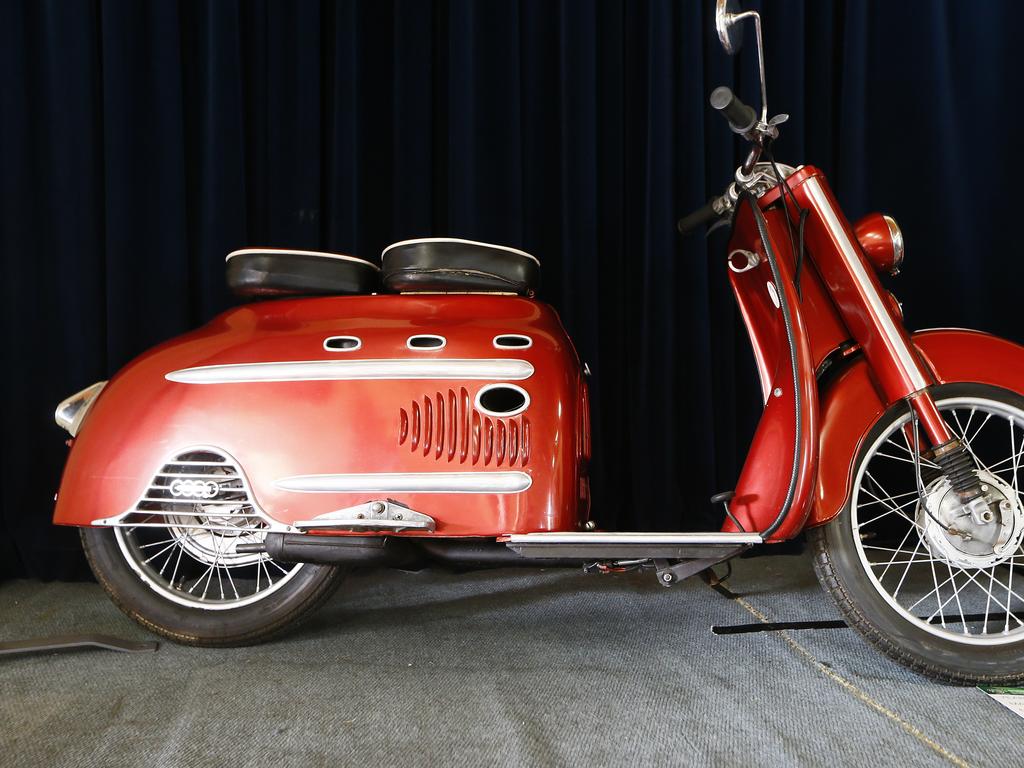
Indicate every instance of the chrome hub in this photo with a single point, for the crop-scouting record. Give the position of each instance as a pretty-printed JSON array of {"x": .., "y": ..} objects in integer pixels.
[{"x": 965, "y": 536}]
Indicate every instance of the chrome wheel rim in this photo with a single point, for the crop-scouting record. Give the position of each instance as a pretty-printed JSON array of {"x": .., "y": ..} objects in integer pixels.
[
  {"x": 963, "y": 588},
  {"x": 194, "y": 562}
]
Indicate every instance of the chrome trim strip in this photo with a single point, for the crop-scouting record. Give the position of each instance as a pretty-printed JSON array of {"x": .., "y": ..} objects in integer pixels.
[
  {"x": 586, "y": 537},
  {"x": 508, "y": 414},
  {"x": 409, "y": 482},
  {"x": 430, "y": 348},
  {"x": 293, "y": 252},
  {"x": 358, "y": 344},
  {"x": 418, "y": 240},
  {"x": 354, "y": 370},
  {"x": 523, "y": 336},
  {"x": 879, "y": 312}
]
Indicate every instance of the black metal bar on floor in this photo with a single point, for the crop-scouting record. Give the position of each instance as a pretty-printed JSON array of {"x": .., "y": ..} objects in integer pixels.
[
  {"x": 73, "y": 642},
  {"x": 778, "y": 626}
]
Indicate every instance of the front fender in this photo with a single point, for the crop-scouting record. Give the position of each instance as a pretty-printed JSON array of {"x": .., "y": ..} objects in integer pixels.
[{"x": 851, "y": 405}]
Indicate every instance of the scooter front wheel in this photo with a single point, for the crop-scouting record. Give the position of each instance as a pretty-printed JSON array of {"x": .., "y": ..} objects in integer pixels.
[
  {"x": 190, "y": 584},
  {"x": 910, "y": 569}
]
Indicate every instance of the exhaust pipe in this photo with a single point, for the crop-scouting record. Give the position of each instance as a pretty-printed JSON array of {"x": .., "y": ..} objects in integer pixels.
[
  {"x": 394, "y": 551},
  {"x": 334, "y": 550}
]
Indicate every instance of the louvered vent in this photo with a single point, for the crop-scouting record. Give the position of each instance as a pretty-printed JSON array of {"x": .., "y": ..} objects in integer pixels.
[
  {"x": 204, "y": 484},
  {"x": 447, "y": 427}
]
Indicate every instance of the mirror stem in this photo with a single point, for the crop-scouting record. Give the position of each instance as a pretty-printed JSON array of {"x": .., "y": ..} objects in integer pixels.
[{"x": 760, "y": 58}]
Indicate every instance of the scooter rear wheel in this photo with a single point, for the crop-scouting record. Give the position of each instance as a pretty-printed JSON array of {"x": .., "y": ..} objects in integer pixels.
[
  {"x": 191, "y": 590},
  {"x": 897, "y": 560}
]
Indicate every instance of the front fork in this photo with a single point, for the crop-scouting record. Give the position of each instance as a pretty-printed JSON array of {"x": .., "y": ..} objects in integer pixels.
[
  {"x": 953, "y": 457},
  {"x": 898, "y": 368}
]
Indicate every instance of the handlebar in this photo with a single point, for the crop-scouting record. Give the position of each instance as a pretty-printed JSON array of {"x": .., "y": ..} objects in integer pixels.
[
  {"x": 744, "y": 121},
  {"x": 698, "y": 218},
  {"x": 741, "y": 117}
]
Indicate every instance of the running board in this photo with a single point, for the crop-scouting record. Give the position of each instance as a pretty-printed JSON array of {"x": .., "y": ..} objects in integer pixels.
[{"x": 628, "y": 546}]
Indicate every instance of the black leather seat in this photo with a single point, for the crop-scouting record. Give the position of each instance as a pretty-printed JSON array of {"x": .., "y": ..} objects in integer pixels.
[
  {"x": 270, "y": 272},
  {"x": 448, "y": 264}
]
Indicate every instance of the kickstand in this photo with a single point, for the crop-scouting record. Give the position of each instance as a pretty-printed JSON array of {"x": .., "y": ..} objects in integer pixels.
[
  {"x": 74, "y": 642},
  {"x": 709, "y": 577}
]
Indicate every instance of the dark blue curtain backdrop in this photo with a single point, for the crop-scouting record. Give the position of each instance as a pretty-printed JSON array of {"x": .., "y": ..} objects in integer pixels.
[{"x": 142, "y": 141}]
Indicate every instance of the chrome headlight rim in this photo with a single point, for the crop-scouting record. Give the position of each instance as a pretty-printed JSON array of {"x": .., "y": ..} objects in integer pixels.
[{"x": 896, "y": 234}]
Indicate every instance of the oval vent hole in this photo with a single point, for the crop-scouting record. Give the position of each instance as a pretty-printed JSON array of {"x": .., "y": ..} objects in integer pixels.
[
  {"x": 502, "y": 400},
  {"x": 342, "y": 343},
  {"x": 512, "y": 341},
  {"x": 426, "y": 342}
]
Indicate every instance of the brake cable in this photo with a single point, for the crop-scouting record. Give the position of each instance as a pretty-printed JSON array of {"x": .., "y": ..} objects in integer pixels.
[
  {"x": 787, "y": 321},
  {"x": 798, "y": 252}
]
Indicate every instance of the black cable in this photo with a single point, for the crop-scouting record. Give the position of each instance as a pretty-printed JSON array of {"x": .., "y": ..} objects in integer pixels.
[
  {"x": 798, "y": 248},
  {"x": 735, "y": 522},
  {"x": 787, "y": 320},
  {"x": 800, "y": 251},
  {"x": 921, "y": 498}
]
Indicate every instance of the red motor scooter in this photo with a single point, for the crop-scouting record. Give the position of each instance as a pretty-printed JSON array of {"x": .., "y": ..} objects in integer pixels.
[{"x": 432, "y": 410}]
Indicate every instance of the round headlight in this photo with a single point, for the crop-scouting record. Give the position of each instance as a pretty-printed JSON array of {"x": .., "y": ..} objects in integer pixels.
[{"x": 882, "y": 241}]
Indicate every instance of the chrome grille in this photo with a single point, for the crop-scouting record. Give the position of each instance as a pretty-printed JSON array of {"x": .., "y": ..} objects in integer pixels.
[{"x": 197, "y": 488}]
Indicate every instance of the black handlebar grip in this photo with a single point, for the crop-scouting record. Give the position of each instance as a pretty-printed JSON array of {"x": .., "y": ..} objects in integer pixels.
[
  {"x": 698, "y": 218},
  {"x": 741, "y": 117}
]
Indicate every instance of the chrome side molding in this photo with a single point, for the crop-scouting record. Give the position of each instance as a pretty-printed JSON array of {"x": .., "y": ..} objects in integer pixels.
[
  {"x": 355, "y": 370},
  {"x": 710, "y": 546},
  {"x": 409, "y": 482},
  {"x": 598, "y": 537}
]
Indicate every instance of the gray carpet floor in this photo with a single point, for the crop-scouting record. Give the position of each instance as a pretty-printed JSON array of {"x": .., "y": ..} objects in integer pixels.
[{"x": 509, "y": 667}]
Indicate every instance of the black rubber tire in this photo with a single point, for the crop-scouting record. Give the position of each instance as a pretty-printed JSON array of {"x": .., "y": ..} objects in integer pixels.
[
  {"x": 840, "y": 572},
  {"x": 245, "y": 625}
]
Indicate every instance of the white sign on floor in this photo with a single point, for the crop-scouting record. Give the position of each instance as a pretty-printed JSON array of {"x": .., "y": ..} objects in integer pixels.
[{"x": 1011, "y": 698}]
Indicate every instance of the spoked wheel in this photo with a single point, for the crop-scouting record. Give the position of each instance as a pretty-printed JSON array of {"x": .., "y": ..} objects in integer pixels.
[
  {"x": 178, "y": 565},
  {"x": 194, "y": 560},
  {"x": 930, "y": 584}
]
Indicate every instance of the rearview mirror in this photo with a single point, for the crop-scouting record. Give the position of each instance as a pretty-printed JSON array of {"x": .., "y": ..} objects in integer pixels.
[
  {"x": 729, "y": 25},
  {"x": 730, "y": 33}
]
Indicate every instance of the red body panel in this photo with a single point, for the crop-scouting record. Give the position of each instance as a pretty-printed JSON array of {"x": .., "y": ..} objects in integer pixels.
[
  {"x": 841, "y": 298},
  {"x": 825, "y": 331},
  {"x": 429, "y": 424},
  {"x": 855, "y": 289},
  {"x": 279, "y": 429},
  {"x": 764, "y": 482},
  {"x": 853, "y": 403}
]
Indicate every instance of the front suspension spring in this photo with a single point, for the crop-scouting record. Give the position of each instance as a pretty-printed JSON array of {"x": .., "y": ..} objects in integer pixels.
[{"x": 959, "y": 467}]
